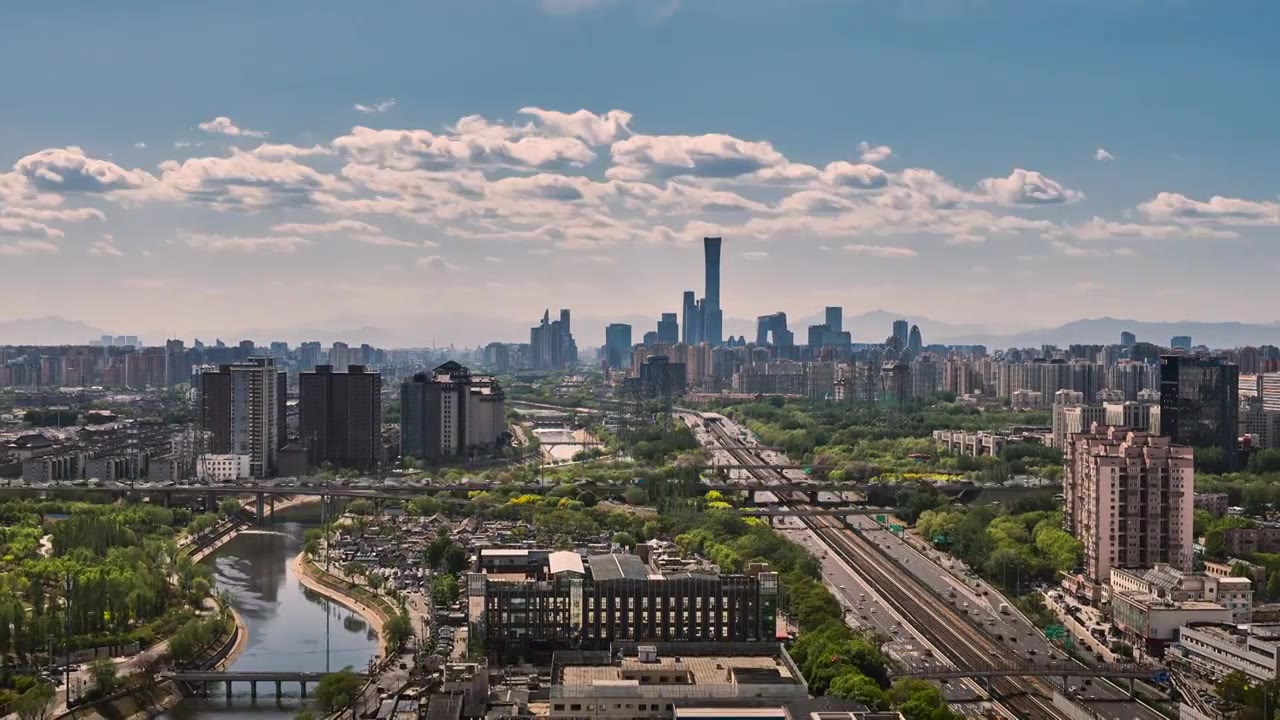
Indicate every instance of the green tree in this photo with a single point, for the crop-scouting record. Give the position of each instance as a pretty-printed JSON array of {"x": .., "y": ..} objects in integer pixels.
[
  {"x": 338, "y": 690},
  {"x": 624, "y": 539},
  {"x": 455, "y": 559},
  {"x": 444, "y": 590},
  {"x": 34, "y": 703},
  {"x": 397, "y": 631},
  {"x": 104, "y": 675}
]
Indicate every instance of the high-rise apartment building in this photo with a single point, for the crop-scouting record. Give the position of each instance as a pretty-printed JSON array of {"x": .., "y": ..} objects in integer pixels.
[
  {"x": 617, "y": 346},
  {"x": 340, "y": 416},
  {"x": 1180, "y": 342},
  {"x": 669, "y": 329},
  {"x": 1128, "y": 498},
  {"x": 551, "y": 343},
  {"x": 1199, "y": 402},
  {"x": 449, "y": 412},
  {"x": 243, "y": 412}
]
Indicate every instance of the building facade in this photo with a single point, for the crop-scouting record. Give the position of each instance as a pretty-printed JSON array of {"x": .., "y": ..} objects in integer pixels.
[
  {"x": 449, "y": 412},
  {"x": 340, "y": 416},
  {"x": 1199, "y": 402},
  {"x": 243, "y": 412},
  {"x": 1128, "y": 498}
]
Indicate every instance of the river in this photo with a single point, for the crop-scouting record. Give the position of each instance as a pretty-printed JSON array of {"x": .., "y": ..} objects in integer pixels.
[{"x": 287, "y": 624}]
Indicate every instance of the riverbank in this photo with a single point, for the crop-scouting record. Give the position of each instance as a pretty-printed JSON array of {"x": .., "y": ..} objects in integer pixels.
[{"x": 331, "y": 586}]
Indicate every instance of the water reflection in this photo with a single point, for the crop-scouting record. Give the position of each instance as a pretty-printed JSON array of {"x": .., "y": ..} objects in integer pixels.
[{"x": 290, "y": 627}]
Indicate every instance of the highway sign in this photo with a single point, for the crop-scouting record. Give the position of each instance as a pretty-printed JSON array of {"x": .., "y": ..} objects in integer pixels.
[
  {"x": 895, "y": 529},
  {"x": 880, "y": 518},
  {"x": 1055, "y": 632},
  {"x": 939, "y": 539}
]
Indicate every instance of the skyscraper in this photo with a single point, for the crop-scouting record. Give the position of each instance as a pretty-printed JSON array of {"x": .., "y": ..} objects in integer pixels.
[
  {"x": 551, "y": 343},
  {"x": 1127, "y": 339},
  {"x": 242, "y": 408},
  {"x": 774, "y": 328},
  {"x": 713, "y": 318},
  {"x": 691, "y": 334},
  {"x": 914, "y": 342},
  {"x": 1199, "y": 402},
  {"x": 834, "y": 318},
  {"x": 617, "y": 346},
  {"x": 1180, "y": 342},
  {"x": 901, "y": 330},
  {"x": 340, "y": 416},
  {"x": 669, "y": 329}
]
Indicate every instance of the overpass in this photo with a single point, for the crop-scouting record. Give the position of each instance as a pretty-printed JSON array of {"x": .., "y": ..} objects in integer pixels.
[
  {"x": 227, "y": 677},
  {"x": 1062, "y": 669}
]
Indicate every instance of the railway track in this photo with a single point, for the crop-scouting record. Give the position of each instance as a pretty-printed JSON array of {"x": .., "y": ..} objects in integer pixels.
[{"x": 937, "y": 622}]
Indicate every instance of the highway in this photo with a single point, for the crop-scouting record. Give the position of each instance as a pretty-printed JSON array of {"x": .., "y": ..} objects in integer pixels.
[{"x": 910, "y": 585}]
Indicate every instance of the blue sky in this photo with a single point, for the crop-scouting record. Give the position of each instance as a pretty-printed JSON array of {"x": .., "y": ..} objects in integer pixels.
[{"x": 974, "y": 199}]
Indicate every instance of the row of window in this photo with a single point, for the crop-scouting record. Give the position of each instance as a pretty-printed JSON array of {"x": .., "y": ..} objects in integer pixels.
[{"x": 642, "y": 707}]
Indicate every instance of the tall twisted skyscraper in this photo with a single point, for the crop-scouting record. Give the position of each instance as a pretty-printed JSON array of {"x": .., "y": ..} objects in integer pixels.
[{"x": 713, "y": 318}]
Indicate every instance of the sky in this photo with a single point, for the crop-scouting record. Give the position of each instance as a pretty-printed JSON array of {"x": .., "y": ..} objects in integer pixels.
[{"x": 453, "y": 168}]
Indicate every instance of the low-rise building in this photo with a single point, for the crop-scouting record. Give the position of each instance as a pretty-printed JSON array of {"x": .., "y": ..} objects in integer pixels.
[
  {"x": 1166, "y": 583},
  {"x": 54, "y": 468},
  {"x": 1150, "y": 623},
  {"x": 223, "y": 468},
  {"x": 656, "y": 681},
  {"x": 1216, "y": 650},
  {"x": 1215, "y": 503},
  {"x": 1245, "y": 541}
]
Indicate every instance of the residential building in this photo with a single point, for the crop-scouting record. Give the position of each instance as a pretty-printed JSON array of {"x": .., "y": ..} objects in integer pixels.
[
  {"x": 223, "y": 468},
  {"x": 659, "y": 378},
  {"x": 1132, "y": 414},
  {"x": 1215, "y": 503},
  {"x": 243, "y": 412},
  {"x": 1071, "y": 420},
  {"x": 971, "y": 444},
  {"x": 340, "y": 417},
  {"x": 1128, "y": 498},
  {"x": 449, "y": 412},
  {"x": 1246, "y": 541},
  {"x": 1260, "y": 426},
  {"x": 1199, "y": 402},
  {"x": 1269, "y": 388}
]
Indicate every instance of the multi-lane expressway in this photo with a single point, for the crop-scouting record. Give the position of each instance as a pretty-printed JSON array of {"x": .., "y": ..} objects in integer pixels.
[{"x": 883, "y": 579}]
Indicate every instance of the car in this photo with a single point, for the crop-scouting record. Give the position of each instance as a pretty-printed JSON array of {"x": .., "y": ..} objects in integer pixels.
[
  {"x": 842, "y": 587},
  {"x": 1031, "y": 651}
]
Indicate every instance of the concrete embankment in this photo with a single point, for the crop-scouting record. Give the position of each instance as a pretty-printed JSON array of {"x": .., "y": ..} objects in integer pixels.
[{"x": 336, "y": 589}]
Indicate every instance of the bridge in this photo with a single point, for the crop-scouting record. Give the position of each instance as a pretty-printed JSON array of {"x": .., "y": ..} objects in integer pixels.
[
  {"x": 812, "y": 512},
  {"x": 227, "y": 677}
]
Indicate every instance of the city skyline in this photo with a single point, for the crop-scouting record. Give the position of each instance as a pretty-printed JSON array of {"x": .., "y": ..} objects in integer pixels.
[{"x": 481, "y": 195}]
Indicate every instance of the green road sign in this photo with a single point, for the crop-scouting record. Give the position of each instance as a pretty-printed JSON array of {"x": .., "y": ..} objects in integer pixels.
[
  {"x": 939, "y": 539},
  {"x": 808, "y": 471},
  {"x": 895, "y": 529},
  {"x": 1055, "y": 632},
  {"x": 879, "y": 518}
]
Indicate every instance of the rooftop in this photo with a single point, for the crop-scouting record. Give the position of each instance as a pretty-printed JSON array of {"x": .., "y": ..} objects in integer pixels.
[
  {"x": 616, "y": 566},
  {"x": 703, "y": 670}
]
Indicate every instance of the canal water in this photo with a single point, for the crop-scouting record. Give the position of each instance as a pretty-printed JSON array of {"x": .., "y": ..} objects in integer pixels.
[{"x": 290, "y": 627}]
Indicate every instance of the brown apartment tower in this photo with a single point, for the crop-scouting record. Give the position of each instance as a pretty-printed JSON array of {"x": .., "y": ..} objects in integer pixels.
[
  {"x": 243, "y": 412},
  {"x": 340, "y": 416}
]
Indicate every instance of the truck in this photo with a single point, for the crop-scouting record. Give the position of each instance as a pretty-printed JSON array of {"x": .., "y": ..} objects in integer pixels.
[{"x": 1004, "y": 608}]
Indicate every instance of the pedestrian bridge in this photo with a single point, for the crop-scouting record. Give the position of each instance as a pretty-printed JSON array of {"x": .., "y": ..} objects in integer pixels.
[{"x": 228, "y": 677}]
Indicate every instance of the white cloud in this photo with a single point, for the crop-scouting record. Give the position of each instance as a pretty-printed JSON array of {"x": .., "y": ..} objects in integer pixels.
[
  {"x": 21, "y": 227},
  {"x": 583, "y": 124},
  {"x": 242, "y": 181},
  {"x": 492, "y": 259},
  {"x": 707, "y": 156},
  {"x": 755, "y": 255},
  {"x": 106, "y": 247},
  {"x": 965, "y": 239},
  {"x": 1028, "y": 187},
  {"x": 337, "y": 226},
  {"x": 274, "y": 151},
  {"x": 436, "y": 263},
  {"x": 379, "y": 107},
  {"x": 849, "y": 175},
  {"x": 472, "y": 144},
  {"x": 1102, "y": 155},
  {"x": 70, "y": 170},
  {"x": 881, "y": 251},
  {"x": 222, "y": 125},
  {"x": 1219, "y": 209},
  {"x": 28, "y": 247},
  {"x": 1070, "y": 250},
  {"x": 980, "y": 269},
  {"x": 1099, "y": 229},
  {"x": 140, "y": 145},
  {"x": 55, "y": 214},
  {"x": 869, "y": 154},
  {"x": 245, "y": 244}
]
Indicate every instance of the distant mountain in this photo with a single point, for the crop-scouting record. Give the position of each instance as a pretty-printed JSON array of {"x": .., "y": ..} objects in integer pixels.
[
  {"x": 1106, "y": 330},
  {"x": 49, "y": 330}
]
